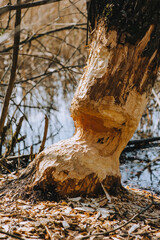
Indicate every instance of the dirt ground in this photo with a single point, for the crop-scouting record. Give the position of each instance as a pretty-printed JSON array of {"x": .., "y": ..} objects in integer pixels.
[{"x": 134, "y": 214}]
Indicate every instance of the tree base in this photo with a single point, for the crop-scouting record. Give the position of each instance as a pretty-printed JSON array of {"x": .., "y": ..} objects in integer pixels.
[
  {"x": 54, "y": 191},
  {"x": 89, "y": 186},
  {"x": 74, "y": 167}
]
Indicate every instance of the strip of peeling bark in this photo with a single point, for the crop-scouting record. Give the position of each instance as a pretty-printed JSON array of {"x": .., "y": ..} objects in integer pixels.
[{"x": 108, "y": 103}]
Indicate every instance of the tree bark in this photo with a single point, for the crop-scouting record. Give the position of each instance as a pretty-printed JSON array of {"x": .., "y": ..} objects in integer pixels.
[{"x": 110, "y": 99}]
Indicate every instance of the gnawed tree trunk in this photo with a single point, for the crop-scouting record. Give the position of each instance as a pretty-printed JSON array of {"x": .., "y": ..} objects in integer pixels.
[{"x": 110, "y": 99}]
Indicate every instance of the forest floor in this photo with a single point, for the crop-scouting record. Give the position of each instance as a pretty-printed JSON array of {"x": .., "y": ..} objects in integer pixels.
[{"x": 135, "y": 214}]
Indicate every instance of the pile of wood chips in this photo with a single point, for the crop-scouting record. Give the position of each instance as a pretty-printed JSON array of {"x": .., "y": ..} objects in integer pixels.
[{"x": 132, "y": 215}]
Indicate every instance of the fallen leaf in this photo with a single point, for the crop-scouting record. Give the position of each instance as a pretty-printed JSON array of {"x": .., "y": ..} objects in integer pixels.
[
  {"x": 5, "y": 227},
  {"x": 85, "y": 209},
  {"x": 133, "y": 228},
  {"x": 65, "y": 224},
  {"x": 76, "y": 199}
]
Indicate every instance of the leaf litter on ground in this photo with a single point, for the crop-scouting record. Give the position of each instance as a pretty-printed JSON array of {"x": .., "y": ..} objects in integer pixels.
[{"x": 82, "y": 218}]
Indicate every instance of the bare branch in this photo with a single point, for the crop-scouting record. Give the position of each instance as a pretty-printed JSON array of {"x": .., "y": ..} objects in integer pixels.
[
  {"x": 28, "y": 40},
  {"x": 77, "y": 8},
  {"x": 25, "y": 5}
]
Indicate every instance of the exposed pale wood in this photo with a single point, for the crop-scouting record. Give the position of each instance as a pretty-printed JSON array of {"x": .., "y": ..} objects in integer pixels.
[{"x": 106, "y": 110}]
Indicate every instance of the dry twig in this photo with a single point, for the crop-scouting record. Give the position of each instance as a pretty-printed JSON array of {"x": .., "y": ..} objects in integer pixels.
[
  {"x": 11, "y": 235},
  {"x": 123, "y": 225},
  {"x": 34, "y": 37},
  {"x": 25, "y": 5}
]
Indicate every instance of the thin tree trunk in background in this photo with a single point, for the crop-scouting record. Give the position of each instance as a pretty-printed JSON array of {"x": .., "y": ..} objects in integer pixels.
[
  {"x": 110, "y": 99},
  {"x": 44, "y": 135},
  {"x": 13, "y": 69}
]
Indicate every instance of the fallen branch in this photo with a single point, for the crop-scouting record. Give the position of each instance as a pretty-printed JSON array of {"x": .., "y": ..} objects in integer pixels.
[
  {"x": 123, "y": 225},
  {"x": 11, "y": 235},
  {"x": 142, "y": 144},
  {"x": 12, "y": 158},
  {"x": 6, "y": 162},
  {"x": 143, "y": 141}
]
